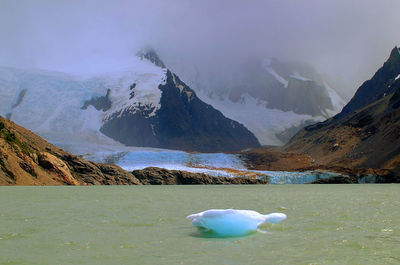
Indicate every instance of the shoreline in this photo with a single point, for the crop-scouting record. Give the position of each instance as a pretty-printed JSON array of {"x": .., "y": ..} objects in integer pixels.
[{"x": 275, "y": 159}]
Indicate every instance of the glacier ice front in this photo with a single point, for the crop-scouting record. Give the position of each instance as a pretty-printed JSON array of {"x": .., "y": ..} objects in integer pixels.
[
  {"x": 214, "y": 164},
  {"x": 230, "y": 222}
]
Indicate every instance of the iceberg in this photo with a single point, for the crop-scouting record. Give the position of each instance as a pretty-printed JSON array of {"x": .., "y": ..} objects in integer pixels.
[{"x": 230, "y": 222}]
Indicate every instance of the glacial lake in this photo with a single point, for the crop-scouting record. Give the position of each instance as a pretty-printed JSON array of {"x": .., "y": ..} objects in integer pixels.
[{"x": 327, "y": 224}]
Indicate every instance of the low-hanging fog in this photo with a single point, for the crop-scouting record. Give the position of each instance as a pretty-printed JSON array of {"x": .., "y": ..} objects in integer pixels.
[{"x": 346, "y": 40}]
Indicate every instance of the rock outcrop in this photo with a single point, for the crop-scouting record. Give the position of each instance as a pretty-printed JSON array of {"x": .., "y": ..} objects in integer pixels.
[
  {"x": 100, "y": 103},
  {"x": 160, "y": 176}
]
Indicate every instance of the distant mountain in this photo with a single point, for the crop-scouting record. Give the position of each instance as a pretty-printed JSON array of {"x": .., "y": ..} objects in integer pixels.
[
  {"x": 288, "y": 87},
  {"x": 142, "y": 104},
  {"x": 367, "y": 132},
  {"x": 273, "y": 99},
  {"x": 182, "y": 121}
]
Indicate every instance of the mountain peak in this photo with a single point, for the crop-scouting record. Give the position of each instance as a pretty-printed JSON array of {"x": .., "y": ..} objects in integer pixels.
[
  {"x": 151, "y": 55},
  {"x": 377, "y": 87},
  {"x": 394, "y": 54}
]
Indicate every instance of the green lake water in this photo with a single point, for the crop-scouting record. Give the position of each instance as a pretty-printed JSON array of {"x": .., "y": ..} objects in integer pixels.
[{"x": 327, "y": 224}]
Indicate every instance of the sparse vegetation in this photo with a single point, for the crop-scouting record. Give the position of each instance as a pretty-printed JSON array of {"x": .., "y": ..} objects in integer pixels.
[
  {"x": 9, "y": 137},
  {"x": 12, "y": 139}
]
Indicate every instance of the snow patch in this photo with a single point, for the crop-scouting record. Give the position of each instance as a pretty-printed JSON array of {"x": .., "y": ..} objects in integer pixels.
[
  {"x": 267, "y": 66},
  {"x": 297, "y": 76},
  {"x": 337, "y": 101},
  {"x": 146, "y": 77},
  {"x": 277, "y": 76}
]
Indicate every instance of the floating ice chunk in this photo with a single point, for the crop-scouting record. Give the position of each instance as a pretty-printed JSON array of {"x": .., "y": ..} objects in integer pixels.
[{"x": 230, "y": 222}]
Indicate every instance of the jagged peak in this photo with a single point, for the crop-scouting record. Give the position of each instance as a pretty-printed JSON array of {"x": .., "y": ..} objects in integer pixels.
[
  {"x": 151, "y": 55},
  {"x": 380, "y": 85},
  {"x": 395, "y": 53}
]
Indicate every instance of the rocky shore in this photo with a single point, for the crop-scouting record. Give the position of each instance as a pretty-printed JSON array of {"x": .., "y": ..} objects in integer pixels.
[
  {"x": 276, "y": 159},
  {"x": 160, "y": 176}
]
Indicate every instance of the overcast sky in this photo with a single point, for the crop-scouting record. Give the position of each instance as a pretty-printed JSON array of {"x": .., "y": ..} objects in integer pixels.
[{"x": 347, "y": 39}]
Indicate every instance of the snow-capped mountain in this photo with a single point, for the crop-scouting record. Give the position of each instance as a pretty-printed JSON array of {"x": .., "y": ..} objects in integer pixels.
[
  {"x": 272, "y": 98},
  {"x": 141, "y": 104}
]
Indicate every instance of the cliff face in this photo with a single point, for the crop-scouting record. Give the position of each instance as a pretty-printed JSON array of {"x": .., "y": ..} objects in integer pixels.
[
  {"x": 27, "y": 159},
  {"x": 367, "y": 132}
]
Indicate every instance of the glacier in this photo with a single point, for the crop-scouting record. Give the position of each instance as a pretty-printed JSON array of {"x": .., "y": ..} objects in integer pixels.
[
  {"x": 253, "y": 113},
  {"x": 51, "y": 102}
]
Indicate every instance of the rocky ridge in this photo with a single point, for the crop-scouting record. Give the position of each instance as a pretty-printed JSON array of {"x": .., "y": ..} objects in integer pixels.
[{"x": 366, "y": 134}]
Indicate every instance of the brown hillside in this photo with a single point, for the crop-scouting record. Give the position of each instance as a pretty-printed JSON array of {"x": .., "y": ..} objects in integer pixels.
[
  {"x": 368, "y": 137},
  {"x": 27, "y": 159}
]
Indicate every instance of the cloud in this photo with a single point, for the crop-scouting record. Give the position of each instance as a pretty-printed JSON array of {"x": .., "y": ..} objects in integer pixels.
[{"x": 345, "y": 39}]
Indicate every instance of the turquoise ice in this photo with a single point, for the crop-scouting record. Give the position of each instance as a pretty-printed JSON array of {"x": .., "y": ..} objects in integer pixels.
[{"x": 230, "y": 222}]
